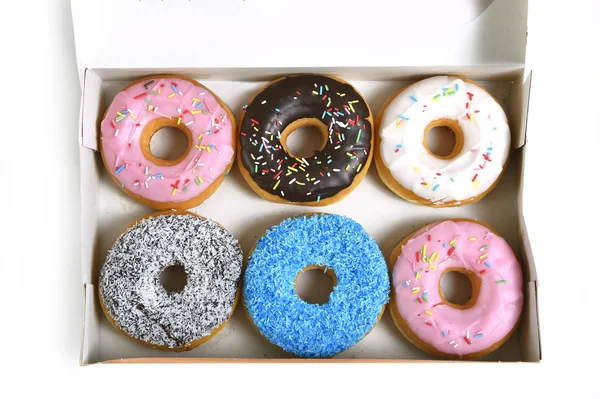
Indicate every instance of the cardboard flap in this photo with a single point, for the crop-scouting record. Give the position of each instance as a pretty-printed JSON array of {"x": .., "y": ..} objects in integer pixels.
[
  {"x": 91, "y": 337},
  {"x": 237, "y": 33},
  {"x": 91, "y": 104},
  {"x": 519, "y": 110},
  {"x": 529, "y": 328}
]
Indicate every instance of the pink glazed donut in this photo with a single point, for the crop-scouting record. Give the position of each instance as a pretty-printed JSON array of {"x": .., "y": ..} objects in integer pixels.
[
  {"x": 148, "y": 105},
  {"x": 419, "y": 308}
]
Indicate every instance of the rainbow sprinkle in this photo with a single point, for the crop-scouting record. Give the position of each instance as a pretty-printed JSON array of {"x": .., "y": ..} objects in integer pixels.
[{"x": 344, "y": 125}]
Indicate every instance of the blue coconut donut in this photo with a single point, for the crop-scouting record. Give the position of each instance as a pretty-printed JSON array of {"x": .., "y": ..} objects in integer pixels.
[{"x": 355, "y": 305}]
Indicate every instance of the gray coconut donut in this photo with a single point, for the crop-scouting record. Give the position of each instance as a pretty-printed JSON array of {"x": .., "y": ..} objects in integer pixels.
[{"x": 136, "y": 303}]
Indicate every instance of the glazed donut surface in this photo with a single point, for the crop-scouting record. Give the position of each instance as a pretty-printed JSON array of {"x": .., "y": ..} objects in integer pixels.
[
  {"x": 419, "y": 307},
  {"x": 148, "y": 105},
  {"x": 478, "y": 159},
  {"x": 328, "y": 104}
]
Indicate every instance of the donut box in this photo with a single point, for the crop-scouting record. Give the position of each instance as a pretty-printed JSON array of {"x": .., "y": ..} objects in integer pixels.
[{"x": 482, "y": 40}]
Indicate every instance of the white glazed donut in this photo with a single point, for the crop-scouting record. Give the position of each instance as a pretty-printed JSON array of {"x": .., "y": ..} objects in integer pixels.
[{"x": 471, "y": 170}]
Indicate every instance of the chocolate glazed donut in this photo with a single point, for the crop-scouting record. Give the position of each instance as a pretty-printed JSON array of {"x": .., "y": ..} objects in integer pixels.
[{"x": 330, "y": 105}]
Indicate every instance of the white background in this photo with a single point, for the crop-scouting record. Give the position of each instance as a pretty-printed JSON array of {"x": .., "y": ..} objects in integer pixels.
[{"x": 41, "y": 293}]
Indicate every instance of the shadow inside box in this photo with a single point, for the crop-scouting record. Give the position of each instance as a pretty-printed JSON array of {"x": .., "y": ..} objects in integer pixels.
[
  {"x": 391, "y": 238},
  {"x": 235, "y": 177},
  {"x": 372, "y": 177},
  {"x": 499, "y": 208},
  {"x": 379, "y": 94},
  {"x": 384, "y": 341},
  {"x": 253, "y": 344}
]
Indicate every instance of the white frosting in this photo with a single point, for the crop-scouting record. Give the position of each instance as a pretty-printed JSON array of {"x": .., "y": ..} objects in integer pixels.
[{"x": 481, "y": 159}]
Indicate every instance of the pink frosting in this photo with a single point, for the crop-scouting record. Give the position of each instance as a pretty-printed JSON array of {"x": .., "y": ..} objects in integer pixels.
[
  {"x": 211, "y": 151},
  {"x": 416, "y": 279}
]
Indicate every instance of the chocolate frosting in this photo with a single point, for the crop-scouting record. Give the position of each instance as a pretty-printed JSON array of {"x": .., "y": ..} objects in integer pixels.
[{"x": 337, "y": 105}]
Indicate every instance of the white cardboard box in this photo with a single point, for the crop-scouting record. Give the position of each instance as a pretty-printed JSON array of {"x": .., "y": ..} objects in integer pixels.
[{"x": 234, "y": 48}]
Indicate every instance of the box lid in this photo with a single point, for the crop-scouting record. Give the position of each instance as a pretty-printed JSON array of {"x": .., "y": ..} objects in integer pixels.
[{"x": 257, "y": 33}]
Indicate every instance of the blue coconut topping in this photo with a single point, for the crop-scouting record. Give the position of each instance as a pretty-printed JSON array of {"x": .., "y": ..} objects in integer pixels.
[{"x": 311, "y": 330}]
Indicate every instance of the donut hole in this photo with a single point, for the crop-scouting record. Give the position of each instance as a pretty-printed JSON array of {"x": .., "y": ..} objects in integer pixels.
[
  {"x": 173, "y": 278},
  {"x": 169, "y": 143},
  {"x": 443, "y": 138},
  {"x": 304, "y": 137},
  {"x": 456, "y": 287},
  {"x": 314, "y": 284}
]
